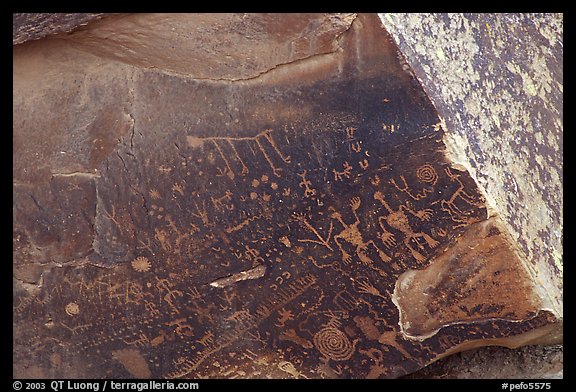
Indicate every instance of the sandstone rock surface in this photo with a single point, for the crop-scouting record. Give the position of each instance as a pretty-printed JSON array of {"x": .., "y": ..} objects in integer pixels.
[{"x": 247, "y": 196}]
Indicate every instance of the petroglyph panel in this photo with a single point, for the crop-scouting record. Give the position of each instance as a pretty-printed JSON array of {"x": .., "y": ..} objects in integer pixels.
[{"x": 227, "y": 240}]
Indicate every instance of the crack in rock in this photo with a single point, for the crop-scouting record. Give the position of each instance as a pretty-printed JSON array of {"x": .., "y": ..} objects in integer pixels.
[{"x": 253, "y": 273}]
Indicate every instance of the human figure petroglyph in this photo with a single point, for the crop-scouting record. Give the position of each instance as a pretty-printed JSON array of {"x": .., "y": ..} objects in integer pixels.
[
  {"x": 399, "y": 220},
  {"x": 346, "y": 172},
  {"x": 306, "y": 184},
  {"x": 283, "y": 316},
  {"x": 152, "y": 308},
  {"x": 164, "y": 285},
  {"x": 352, "y": 235}
]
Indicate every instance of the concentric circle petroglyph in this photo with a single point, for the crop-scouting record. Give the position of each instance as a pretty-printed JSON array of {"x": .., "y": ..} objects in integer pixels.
[
  {"x": 333, "y": 344},
  {"x": 427, "y": 174}
]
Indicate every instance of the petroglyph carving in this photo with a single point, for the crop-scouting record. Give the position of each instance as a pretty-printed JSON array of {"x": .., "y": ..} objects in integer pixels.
[
  {"x": 77, "y": 330},
  {"x": 321, "y": 240},
  {"x": 72, "y": 309},
  {"x": 181, "y": 327},
  {"x": 352, "y": 235},
  {"x": 240, "y": 317},
  {"x": 366, "y": 325},
  {"x": 377, "y": 356},
  {"x": 285, "y": 241},
  {"x": 289, "y": 368},
  {"x": 152, "y": 308},
  {"x": 178, "y": 187},
  {"x": 284, "y": 315},
  {"x": 232, "y": 142},
  {"x": 201, "y": 213},
  {"x": 425, "y": 174},
  {"x": 164, "y": 286},
  {"x": 140, "y": 341},
  {"x": 368, "y": 288},
  {"x": 346, "y": 301},
  {"x": 346, "y": 172},
  {"x": 334, "y": 344},
  {"x": 243, "y": 254},
  {"x": 277, "y": 301},
  {"x": 399, "y": 220},
  {"x": 253, "y": 255},
  {"x": 306, "y": 184},
  {"x": 390, "y": 338},
  {"x": 203, "y": 313},
  {"x": 141, "y": 264},
  {"x": 223, "y": 203},
  {"x": 292, "y": 336},
  {"x": 390, "y": 128},
  {"x": 448, "y": 341},
  {"x": 461, "y": 205},
  {"x": 246, "y": 222},
  {"x": 319, "y": 300},
  {"x": 257, "y": 337},
  {"x": 207, "y": 339},
  {"x": 326, "y": 371}
]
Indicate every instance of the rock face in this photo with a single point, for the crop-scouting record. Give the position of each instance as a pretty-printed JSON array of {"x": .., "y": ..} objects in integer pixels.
[
  {"x": 29, "y": 27},
  {"x": 288, "y": 212},
  {"x": 497, "y": 82}
]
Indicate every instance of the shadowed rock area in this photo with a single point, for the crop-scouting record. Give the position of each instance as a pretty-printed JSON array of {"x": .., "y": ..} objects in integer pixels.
[{"x": 246, "y": 196}]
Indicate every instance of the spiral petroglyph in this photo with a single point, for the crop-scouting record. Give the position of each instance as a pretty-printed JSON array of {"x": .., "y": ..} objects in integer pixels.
[
  {"x": 333, "y": 344},
  {"x": 427, "y": 174},
  {"x": 72, "y": 309}
]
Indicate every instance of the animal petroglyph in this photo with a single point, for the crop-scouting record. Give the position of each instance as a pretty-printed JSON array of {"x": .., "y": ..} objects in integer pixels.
[
  {"x": 233, "y": 142},
  {"x": 460, "y": 205}
]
